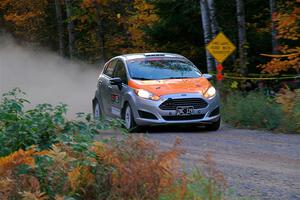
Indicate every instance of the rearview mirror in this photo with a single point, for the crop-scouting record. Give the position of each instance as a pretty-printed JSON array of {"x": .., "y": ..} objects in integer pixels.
[{"x": 207, "y": 76}]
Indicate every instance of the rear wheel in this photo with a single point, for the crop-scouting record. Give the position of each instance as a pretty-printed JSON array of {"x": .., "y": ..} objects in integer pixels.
[
  {"x": 96, "y": 110},
  {"x": 214, "y": 126}
]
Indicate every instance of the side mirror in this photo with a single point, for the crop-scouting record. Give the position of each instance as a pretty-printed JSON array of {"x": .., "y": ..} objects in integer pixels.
[
  {"x": 207, "y": 76},
  {"x": 116, "y": 81}
]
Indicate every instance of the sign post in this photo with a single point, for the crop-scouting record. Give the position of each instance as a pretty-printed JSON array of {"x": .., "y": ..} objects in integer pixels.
[
  {"x": 219, "y": 72},
  {"x": 220, "y": 48}
]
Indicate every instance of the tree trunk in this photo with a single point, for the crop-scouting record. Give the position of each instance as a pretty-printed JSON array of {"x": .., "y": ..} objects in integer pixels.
[
  {"x": 273, "y": 32},
  {"x": 242, "y": 36},
  {"x": 213, "y": 22},
  {"x": 213, "y": 19},
  {"x": 60, "y": 27},
  {"x": 207, "y": 33},
  {"x": 70, "y": 28},
  {"x": 100, "y": 30}
]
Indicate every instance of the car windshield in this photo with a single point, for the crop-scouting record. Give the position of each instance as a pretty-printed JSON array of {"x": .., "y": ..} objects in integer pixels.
[{"x": 161, "y": 68}]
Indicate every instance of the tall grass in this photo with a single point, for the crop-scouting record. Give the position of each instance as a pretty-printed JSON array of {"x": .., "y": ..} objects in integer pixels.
[{"x": 256, "y": 110}]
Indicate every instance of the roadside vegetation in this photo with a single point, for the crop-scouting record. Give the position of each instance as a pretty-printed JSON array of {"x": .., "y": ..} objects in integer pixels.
[
  {"x": 255, "y": 109},
  {"x": 94, "y": 31},
  {"x": 45, "y": 156}
]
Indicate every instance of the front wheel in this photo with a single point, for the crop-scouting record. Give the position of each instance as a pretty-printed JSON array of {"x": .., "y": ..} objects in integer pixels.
[
  {"x": 214, "y": 126},
  {"x": 128, "y": 118}
]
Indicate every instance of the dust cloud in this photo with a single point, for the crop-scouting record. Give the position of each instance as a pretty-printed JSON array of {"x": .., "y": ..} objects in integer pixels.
[{"x": 46, "y": 77}]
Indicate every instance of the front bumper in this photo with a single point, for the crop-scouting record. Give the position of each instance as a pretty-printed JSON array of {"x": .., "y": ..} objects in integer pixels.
[{"x": 200, "y": 116}]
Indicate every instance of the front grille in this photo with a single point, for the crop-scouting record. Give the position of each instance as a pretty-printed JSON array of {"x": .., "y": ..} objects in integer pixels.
[
  {"x": 146, "y": 115},
  {"x": 215, "y": 112},
  {"x": 178, "y": 118},
  {"x": 171, "y": 104}
]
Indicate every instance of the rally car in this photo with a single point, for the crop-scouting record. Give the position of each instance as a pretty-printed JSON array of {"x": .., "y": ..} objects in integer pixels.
[{"x": 156, "y": 89}]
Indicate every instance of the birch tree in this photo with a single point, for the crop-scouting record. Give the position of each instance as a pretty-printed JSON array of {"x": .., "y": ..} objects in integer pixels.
[
  {"x": 70, "y": 28},
  {"x": 206, "y": 25},
  {"x": 240, "y": 10},
  {"x": 213, "y": 22},
  {"x": 60, "y": 28},
  {"x": 213, "y": 19},
  {"x": 273, "y": 29}
]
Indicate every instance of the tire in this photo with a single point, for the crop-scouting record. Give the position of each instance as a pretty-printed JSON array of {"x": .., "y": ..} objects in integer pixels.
[
  {"x": 214, "y": 126},
  {"x": 97, "y": 113},
  {"x": 128, "y": 118}
]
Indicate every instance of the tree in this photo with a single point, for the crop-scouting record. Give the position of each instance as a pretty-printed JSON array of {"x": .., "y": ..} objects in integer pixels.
[
  {"x": 142, "y": 17},
  {"x": 288, "y": 31},
  {"x": 60, "y": 28},
  {"x": 273, "y": 29},
  {"x": 100, "y": 29},
  {"x": 213, "y": 19},
  {"x": 242, "y": 44},
  {"x": 177, "y": 29},
  {"x": 71, "y": 27},
  {"x": 26, "y": 19},
  {"x": 207, "y": 30}
]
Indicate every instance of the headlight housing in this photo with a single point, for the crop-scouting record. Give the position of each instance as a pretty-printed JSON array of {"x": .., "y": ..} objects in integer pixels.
[
  {"x": 210, "y": 93},
  {"x": 146, "y": 94}
]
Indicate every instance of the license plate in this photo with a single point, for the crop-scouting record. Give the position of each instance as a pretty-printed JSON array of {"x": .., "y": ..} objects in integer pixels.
[{"x": 184, "y": 110}]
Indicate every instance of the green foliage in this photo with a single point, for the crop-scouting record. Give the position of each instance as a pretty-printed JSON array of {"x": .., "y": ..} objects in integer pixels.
[
  {"x": 297, "y": 113},
  {"x": 42, "y": 125},
  {"x": 290, "y": 106},
  {"x": 68, "y": 163},
  {"x": 256, "y": 110},
  {"x": 172, "y": 33},
  {"x": 110, "y": 31},
  {"x": 198, "y": 186},
  {"x": 251, "y": 110}
]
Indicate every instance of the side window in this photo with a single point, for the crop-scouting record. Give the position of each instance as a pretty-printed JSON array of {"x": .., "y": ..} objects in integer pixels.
[
  {"x": 109, "y": 70},
  {"x": 120, "y": 71}
]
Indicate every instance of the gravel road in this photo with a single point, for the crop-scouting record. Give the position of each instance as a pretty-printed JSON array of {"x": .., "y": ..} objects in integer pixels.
[{"x": 257, "y": 164}]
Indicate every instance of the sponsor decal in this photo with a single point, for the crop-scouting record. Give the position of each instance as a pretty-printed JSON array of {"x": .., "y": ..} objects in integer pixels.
[{"x": 115, "y": 98}]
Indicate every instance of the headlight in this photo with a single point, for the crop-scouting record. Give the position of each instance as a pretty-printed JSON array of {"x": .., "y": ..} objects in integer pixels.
[
  {"x": 210, "y": 93},
  {"x": 146, "y": 95}
]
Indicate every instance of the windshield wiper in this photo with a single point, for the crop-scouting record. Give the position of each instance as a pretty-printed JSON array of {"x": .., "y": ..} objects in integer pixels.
[
  {"x": 140, "y": 78},
  {"x": 177, "y": 77}
]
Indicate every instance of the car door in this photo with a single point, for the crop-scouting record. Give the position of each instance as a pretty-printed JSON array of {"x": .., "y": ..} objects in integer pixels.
[
  {"x": 118, "y": 92},
  {"x": 105, "y": 87}
]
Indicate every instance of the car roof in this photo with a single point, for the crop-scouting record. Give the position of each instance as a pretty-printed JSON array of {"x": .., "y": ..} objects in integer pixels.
[{"x": 149, "y": 55}]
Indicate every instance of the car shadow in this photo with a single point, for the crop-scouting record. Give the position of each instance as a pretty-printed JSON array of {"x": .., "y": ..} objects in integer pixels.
[{"x": 172, "y": 129}]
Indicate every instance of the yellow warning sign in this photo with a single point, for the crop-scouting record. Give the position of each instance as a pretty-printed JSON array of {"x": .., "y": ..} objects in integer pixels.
[{"x": 220, "y": 47}]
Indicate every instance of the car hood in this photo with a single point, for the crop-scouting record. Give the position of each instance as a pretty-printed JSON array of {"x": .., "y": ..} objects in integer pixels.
[{"x": 172, "y": 86}]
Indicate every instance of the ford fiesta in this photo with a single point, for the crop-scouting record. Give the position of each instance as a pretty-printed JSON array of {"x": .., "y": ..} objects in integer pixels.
[{"x": 156, "y": 89}]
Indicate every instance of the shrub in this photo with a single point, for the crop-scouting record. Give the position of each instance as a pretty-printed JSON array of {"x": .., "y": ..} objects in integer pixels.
[
  {"x": 132, "y": 168},
  {"x": 290, "y": 105},
  {"x": 198, "y": 185},
  {"x": 256, "y": 110},
  {"x": 65, "y": 162},
  {"x": 42, "y": 126},
  {"x": 253, "y": 109}
]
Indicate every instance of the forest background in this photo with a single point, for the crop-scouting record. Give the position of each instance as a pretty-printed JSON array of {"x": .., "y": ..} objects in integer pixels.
[{"x": 96, "y": 30}]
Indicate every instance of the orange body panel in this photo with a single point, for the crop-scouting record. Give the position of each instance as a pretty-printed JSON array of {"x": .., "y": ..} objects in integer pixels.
[{"x": 171, "y": 86}]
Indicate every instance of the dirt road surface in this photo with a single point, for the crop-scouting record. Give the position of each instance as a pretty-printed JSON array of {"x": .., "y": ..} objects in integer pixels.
[{"x": 256, "y": 164}]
